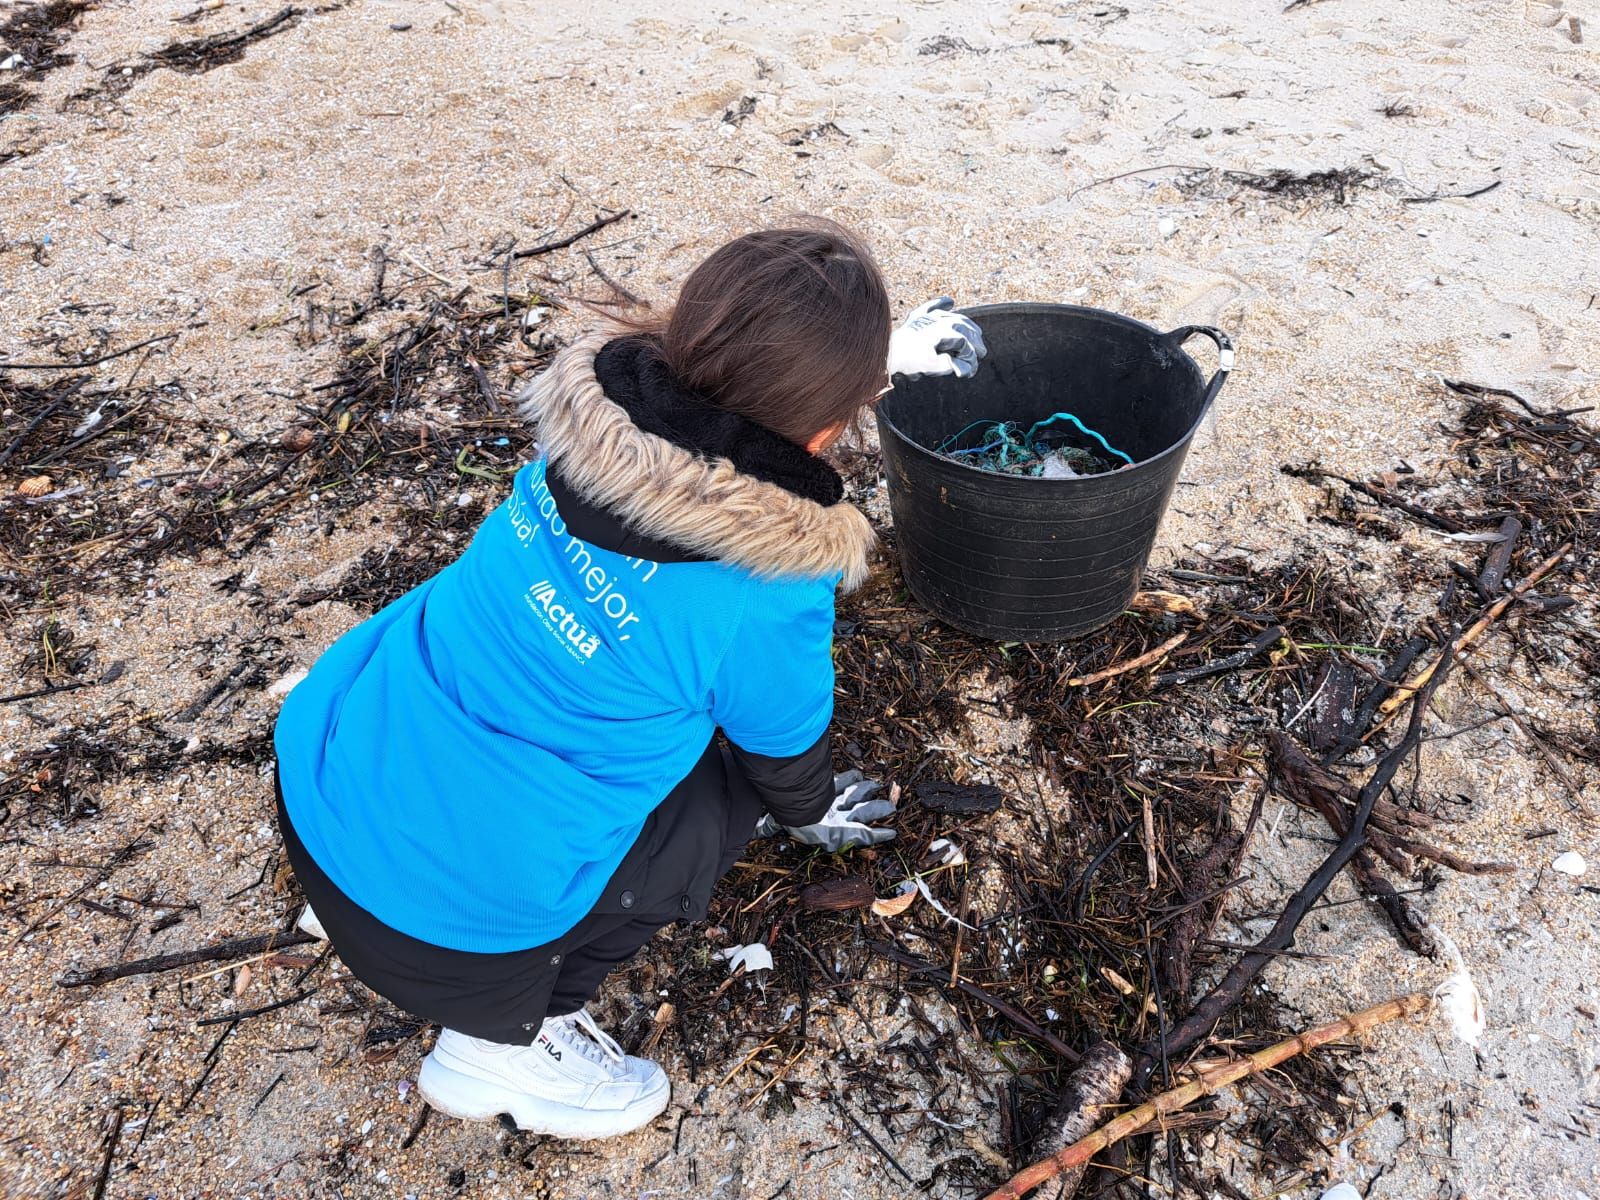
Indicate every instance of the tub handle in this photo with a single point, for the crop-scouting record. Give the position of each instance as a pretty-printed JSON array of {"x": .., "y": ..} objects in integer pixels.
[{"x": 1224, "y": 356}]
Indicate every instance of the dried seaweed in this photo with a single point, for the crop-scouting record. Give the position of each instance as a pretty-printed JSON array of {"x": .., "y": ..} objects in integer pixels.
[
  {"x": 36, "y": 33},
  {"x": 196, "y": 56}
]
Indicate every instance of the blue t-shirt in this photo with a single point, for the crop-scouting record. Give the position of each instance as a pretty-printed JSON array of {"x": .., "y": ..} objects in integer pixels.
[{"x": 470, "y": 764}]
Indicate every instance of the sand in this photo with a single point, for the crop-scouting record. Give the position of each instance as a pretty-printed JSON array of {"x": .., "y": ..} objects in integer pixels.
[{"x": 978, "y": 146}]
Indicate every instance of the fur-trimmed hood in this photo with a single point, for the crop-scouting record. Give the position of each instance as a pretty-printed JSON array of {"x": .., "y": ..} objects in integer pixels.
[{"x": 700, "y": 502}]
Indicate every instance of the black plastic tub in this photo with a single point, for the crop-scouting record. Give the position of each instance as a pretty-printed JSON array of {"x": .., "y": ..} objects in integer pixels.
[{"x": 1019, "y": 558}]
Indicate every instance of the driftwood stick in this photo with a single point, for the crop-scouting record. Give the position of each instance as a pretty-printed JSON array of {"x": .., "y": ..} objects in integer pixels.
[
  {"x": 192, "y": 51},
  {"x": 1386, "y": 814},
  {"x": 1408, "y": 924},
  {"x": 1480, "y": 391},
  {"x": 1549, "y": 755},
  {"x": 1446, "y": 859},
  {"x": 1382, "y": 496},
  {"x": 1498, "y": 561},
  {"x": 623, "y": 293},
  {"x": 1388, "y": 831},
  {"x": 1392, "y": 675},
  {"x": 237, "y": 948},
  {"x": 1265, "y": 640},
  {"x": 1474, "y": 631},
  {"x": 1093, "y": 1087},
  {"x": 1199, "y": 916},
  {"x": 596, "y": 226},
  {"x": 85, "y": 362},
  {"x": 1311, "y": 787},
  {"x": 45, "y": 414},
  {"x": 1132, "y": 664},
  {"x": 1212, "y": 1079},
  {"x": 109, "y": 1154}
]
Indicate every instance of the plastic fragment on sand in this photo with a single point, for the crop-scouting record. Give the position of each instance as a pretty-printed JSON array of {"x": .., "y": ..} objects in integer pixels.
[
  {"x": 288, "y": 683},
  {"x": 946, "y": 853},
  {"x": 754, "y": 957}
]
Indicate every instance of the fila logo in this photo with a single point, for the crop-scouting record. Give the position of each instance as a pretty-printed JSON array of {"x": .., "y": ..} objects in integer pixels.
[{"x": 549, "y": 1047}]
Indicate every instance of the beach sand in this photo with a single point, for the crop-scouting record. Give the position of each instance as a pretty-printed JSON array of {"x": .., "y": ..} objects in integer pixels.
[{"x": 1072, "y": 151}]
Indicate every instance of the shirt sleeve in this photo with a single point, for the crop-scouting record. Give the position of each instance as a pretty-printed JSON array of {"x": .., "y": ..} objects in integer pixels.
[
  {"x": 798, "y": 789},
  {"x": 773, "y": 691}
]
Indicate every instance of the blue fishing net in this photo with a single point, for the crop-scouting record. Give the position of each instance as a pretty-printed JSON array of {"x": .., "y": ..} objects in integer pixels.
[{"x": 1070, "y": 450}]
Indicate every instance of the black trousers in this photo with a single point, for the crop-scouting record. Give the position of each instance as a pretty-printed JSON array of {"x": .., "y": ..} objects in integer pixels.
[{"x": 689, "y": 842}]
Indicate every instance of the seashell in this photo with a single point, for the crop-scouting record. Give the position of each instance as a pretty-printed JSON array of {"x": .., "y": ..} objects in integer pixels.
[
  {"x": 297, "y": 439},
  {"x": 38, "y": 485},
  {"x": 1570, "y": 863},
  {"x": 893, "y": 906}
]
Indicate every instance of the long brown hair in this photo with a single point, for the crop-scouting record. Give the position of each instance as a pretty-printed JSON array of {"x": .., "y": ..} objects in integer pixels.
[{"x": 787, "y": 327}]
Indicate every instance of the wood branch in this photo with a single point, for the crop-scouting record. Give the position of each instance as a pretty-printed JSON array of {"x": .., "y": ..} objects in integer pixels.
[
  {"x": 837, "y": 895},
  {"x": 1408, "y": 924},
  {"x": 1312, "y": 788},
  {"x": 1132, "y": 664},
  {"x": 256, "y": 1012},
  {"x": 1386, "y": 814},
  {"x": 1382, "y": 496},
  {"x": 45, "y": 413},
  {"x": 1481, "y": 391},
  {"x": 1093, "y": 1086},
  {"x": 1156, "y": 601},
  {"x": 1498, "y": 561},
  {"x": 623, "y": 293},
  {"x": 86, "y": 362},
  {"x": 1327, "y": 795},
  {"x": 237, "y": 948},
  {"x": 562, "y": 243},
  {"x": 1474, "y": 631},
  {"x": 1392, "y": 675},
  {"x": 1203, "y": 903},
  {"x": 1263, "y": 641},
  {"x": 188, "y": 53},
  {"x": 1549, "y": 755},
  {"x": 1454, "y": 861},
  {"x": 1212, "y": 1079}
]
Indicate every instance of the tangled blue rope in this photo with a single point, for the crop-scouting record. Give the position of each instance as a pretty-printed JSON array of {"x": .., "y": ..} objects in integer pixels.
[
  {"x": 1066, "y": 416},
  {"x": 1011, "y": 446}
]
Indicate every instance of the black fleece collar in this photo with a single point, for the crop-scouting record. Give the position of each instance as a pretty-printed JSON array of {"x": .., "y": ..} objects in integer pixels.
[{"x": 635, "y": 379}]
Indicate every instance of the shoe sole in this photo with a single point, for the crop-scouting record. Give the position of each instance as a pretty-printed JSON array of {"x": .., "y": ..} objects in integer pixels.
[{"x": 468, "y": 1098}]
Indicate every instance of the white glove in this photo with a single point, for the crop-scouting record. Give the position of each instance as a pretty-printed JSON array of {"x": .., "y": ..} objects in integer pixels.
[
  {"x": 935, "y": 340},
  {"x": 845, "y": 823}
]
